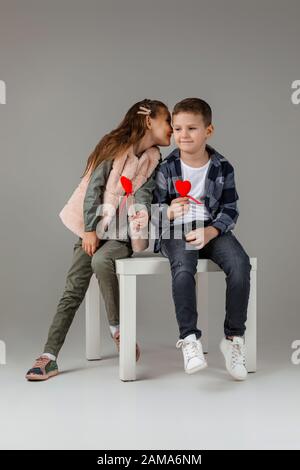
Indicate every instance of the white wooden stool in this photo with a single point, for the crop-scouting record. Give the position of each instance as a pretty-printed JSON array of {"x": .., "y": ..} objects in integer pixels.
[{"x": 146, "y": 264}]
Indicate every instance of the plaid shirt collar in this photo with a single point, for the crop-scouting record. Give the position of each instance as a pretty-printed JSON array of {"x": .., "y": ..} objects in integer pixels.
[{"x": 214, "y": 158}]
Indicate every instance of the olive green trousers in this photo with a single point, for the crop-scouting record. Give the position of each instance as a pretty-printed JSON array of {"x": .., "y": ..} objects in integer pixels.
[{"x": 83, "y": 266}]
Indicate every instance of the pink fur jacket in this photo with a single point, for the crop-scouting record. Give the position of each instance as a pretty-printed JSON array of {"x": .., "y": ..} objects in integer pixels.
[{"x": 138, "y": 170}]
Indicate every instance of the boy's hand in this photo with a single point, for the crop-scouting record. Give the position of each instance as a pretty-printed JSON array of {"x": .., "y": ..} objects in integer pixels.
[
  {"x": 201, "y": 236},
  {"x": 178, "y": 207},
  {"x": 90, "y": 242}
]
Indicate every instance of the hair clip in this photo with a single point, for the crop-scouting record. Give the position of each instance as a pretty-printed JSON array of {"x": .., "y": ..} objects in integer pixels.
[{"x": 145, "y": 111}]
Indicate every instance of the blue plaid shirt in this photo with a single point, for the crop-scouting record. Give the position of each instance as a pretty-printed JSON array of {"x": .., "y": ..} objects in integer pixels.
[{"x": 220, "y": 192}]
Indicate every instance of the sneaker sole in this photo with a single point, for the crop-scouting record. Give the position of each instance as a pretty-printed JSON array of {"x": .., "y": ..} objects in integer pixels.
[
  {"x": 228, "y": 370},
  {"x": 39, "y": 378},
  {"x": 196, "y": 369}
]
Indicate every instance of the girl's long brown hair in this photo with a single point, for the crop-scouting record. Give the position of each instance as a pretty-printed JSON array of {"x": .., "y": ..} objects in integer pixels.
[{"x": 129, "y": 132}]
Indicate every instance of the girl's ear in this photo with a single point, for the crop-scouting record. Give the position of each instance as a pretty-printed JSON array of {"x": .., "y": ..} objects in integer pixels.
[{"x": 148, "y": 122}]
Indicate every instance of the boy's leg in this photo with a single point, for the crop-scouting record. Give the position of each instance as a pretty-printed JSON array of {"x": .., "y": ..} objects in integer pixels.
[
  {"x": 227, "y": 252},
  {"x": 77, "y": 283},
  {"x": 183, "y": 264}
]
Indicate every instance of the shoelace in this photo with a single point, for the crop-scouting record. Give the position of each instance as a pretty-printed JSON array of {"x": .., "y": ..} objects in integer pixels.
[
  {"x": 238, "y": 354},
  {"x": 41, "y": 361},
  {"x": 190, "y": 348}
]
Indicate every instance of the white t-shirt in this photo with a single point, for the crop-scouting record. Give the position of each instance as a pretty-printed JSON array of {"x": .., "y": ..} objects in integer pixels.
[{"x": 197, "y": 177}]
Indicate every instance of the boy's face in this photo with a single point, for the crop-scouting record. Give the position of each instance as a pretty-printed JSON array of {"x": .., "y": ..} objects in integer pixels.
[{"x": 190, "y": 132}]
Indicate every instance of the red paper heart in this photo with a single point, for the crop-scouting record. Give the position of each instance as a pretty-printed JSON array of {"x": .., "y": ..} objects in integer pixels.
[
  {"x": 183, "y": 187},
  {"x": 127, "y": 184}
]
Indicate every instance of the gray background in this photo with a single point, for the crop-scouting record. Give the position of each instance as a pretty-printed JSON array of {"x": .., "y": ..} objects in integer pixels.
[{"x": 72, "y": 69}]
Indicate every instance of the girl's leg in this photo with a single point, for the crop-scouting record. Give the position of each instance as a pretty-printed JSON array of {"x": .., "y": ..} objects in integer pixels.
[
  {"x": 77, "y": 282},
  {"x": 103, "y": 265}
]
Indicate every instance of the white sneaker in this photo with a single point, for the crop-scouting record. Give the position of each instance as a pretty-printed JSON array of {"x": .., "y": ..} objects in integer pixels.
[
  {"x": 234, "y": 354},
  {"x": 192, "y": 354}
]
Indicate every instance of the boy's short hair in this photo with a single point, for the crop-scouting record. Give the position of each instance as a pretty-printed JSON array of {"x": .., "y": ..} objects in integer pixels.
[{"x": 195, "y": 106}]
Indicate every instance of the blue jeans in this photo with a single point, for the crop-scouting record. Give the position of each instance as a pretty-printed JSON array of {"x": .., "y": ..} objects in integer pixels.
[{"x": 226, "y": 251}]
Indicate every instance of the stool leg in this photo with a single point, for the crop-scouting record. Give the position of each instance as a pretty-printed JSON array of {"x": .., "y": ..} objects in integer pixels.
[
  {"x": 92, "y": 321},
  {"x": 127, "y": 327},
  {"x": 250, "y": 333},
  {"x": 202, "y": 307}
]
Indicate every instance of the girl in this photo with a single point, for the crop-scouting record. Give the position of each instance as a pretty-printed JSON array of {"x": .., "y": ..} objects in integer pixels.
[{"x": 129, "y": 150}]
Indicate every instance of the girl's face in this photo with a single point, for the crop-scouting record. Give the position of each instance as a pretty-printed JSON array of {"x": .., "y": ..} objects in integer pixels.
[{"x": 160, "y": 128}]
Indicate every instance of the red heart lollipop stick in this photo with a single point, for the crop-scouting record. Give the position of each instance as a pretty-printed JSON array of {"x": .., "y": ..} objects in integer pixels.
[{"x": 183, "y": 188}]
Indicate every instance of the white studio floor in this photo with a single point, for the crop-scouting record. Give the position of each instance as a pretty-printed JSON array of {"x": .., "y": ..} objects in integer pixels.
[{"x": 88, "y": 407}]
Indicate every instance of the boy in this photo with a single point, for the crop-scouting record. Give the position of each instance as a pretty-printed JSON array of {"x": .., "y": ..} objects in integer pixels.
[{"x": 212, "y": 181}]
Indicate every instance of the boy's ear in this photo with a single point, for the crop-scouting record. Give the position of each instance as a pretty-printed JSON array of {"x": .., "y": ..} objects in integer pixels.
[{"x": 210, "y": 130}]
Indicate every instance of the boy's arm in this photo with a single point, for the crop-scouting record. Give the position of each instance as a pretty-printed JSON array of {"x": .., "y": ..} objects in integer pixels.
[
  {"x": 229, "y": 212},
  {"x": 93, "y": 195}
]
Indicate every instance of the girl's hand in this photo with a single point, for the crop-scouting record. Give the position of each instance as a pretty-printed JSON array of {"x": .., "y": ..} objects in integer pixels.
[
  {"x": 90, "y": 242},
  {"x": 139, "y": 221},
  {"x": 178, "y": 207}
]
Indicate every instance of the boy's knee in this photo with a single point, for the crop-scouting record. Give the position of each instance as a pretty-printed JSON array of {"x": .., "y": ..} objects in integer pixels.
[
  {"x": 240, "y": 266},
  {"x": 181, "y": 269},
  {"x": 245, "y": 264}
]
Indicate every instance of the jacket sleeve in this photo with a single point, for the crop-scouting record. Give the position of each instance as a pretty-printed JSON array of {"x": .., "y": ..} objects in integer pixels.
[
  {"x": 144, "y": 195},
  {"x": 229, "y": 212},
  {"x": 161, "y": 201},
  {"x": 94, "y": 195}
]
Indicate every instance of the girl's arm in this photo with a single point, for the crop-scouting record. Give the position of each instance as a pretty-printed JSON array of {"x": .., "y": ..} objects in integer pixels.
[
  {"x": 92, "y": 200},
  {"x": 144, "y": 196},
  {"x": 94, "y": 194}
]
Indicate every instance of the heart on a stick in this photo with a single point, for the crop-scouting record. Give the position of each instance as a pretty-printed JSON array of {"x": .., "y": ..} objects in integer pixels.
[{"x": 183, "y": 188}]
